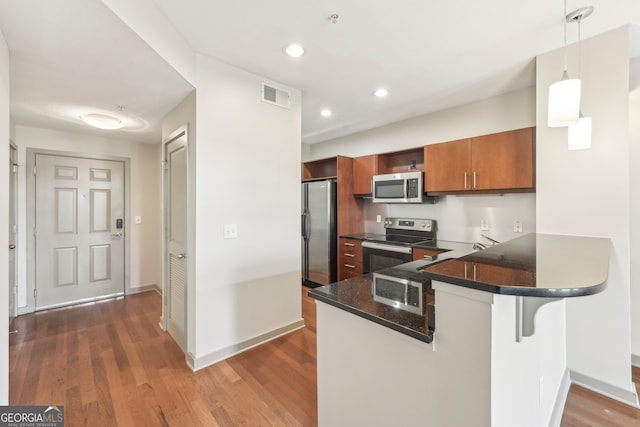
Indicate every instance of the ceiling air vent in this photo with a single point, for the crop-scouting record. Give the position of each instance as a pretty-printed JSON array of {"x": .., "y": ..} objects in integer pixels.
[{"x": 274, "y": 95}]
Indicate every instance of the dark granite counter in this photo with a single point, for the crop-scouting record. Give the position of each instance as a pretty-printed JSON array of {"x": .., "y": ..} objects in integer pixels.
[
  {"x": 536, "y": 265},
  {"x": 398, "y": 298}
]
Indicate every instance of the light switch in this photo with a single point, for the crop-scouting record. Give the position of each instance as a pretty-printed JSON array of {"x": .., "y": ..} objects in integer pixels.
[
  {"x": 138, "y": 219},
  {"x": 230, "y": 231}
]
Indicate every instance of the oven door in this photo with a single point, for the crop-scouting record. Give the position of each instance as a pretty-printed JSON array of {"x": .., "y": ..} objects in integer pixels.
[{"x": 378, "y": 256}]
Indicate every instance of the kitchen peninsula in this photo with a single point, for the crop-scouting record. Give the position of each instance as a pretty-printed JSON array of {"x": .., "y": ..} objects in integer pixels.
[{"x": 496, "y": 356}]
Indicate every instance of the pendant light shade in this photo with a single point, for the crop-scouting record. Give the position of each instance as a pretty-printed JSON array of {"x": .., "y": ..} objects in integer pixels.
[
  {"x": 580, "y": 134},
  {"x": 564, "y": 102}
]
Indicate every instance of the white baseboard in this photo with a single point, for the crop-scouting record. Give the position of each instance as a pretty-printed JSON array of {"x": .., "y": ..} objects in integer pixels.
[
  {"x": 142, "y": 289},
  {"x": 629, "y": 397},
  {"x": 197, "y": 363},
  {"x": 561, "y": 399},
  {"x": 635, "y": 360}
]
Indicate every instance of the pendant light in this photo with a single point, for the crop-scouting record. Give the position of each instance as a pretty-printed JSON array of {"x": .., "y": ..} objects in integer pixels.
[
  {"x": 564, "y": 95},
  {"x": 579, "y": 134}
]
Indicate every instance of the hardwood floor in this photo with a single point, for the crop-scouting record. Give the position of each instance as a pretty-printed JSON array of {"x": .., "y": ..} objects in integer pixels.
[{"x": 110, "y": 364}]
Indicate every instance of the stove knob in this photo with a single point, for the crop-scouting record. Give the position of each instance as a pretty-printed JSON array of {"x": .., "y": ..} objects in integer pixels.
[{"x": 423, "y": 225}]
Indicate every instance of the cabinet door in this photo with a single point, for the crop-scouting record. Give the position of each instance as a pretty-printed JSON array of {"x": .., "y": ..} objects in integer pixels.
[
  {"x": 447, "y": 166},
  {"x": 363, "y": 170},
  {"x": 503, "y": 160}
]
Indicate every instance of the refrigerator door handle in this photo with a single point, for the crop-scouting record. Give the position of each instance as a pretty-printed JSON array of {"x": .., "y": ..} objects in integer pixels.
[{"x": 304, "y": 225}]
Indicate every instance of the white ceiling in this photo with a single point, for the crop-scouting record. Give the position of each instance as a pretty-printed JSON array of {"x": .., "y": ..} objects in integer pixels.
[{"x": 429, "y": 55}]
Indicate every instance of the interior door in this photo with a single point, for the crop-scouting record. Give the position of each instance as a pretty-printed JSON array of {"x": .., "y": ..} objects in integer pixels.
[
  {"x": 176, "y": 238},
  {"x": 79, "y": 230},
  {"x": 13, "y": 230}
]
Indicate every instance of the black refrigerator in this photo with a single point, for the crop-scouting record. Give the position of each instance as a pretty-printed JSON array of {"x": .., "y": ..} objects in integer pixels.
[{"x": 319, "y": 218}]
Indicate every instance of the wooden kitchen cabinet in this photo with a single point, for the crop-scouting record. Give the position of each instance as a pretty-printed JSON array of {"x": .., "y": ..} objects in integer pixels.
[
  {"x": 349, "y": 258},
  {"x": 364, "y": 168},
  {"x": 500, "y": 162},
  {"x": 503, "y": 160},
  {"x": 429, "y": 254},
  {"x": 447, "y": 166}
]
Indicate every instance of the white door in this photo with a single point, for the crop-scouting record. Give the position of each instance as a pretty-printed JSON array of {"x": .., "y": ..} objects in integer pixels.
[
  {"x": 79, "y": 230},
  {"x": 176, "y": 238},
  {"x": 13, "y": 230}
]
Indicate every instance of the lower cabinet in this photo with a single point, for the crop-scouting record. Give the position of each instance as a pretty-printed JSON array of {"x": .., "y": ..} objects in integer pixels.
[
  {"x": 349, "y": 258},
  {"x": 428, "y": 254}
]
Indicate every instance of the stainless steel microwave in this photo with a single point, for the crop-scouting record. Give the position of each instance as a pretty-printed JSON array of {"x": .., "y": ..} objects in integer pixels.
[{"x": 404, "y": 187}]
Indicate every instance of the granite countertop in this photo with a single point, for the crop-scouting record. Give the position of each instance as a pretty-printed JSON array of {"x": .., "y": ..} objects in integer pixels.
[
  {"x": 388, "y": 297},
  {"x": 537, "y": 265},
  {"x": 372, "y": 295}
]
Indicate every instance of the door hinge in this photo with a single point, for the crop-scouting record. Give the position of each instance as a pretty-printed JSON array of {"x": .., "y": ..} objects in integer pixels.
[
  {"x": 35, "y": 294},
  {"x": 35, "y": 170},
  {"x": 15, "y": 168},
  {"x": 165, "y": 165}
]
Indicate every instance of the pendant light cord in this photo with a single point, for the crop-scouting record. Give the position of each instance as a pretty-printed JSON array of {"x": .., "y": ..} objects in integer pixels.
[{"x": 564, "y": 20}]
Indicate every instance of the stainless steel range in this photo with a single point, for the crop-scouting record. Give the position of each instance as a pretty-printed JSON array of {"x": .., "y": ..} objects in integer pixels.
[{"x": 395, "y": 246}]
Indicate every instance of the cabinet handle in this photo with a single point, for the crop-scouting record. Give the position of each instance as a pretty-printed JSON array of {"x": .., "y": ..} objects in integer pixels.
[
  {"x": 349, "y": 266},
  {"x": 474, "y": 180},
  {"x": 465, "y": 270},
  {"x": 350, "y": 255},
  {"x": 428, "y": 257},
  {"x": 465, "y": 180},
  {"x": 349, "y": 244}
]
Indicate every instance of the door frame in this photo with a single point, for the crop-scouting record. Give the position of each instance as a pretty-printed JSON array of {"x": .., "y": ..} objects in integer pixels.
[
  {"x": 14, "y": 170},
  {"x": 31, "y": 216},
  {"x": 179, "y": 132}
]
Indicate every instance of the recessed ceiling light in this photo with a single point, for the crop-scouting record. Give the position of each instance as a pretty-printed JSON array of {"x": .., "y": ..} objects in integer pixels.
[
  {"x": 325, "y": 113},
  {"x": 102, "y": 121},
  {"x": 294, "y": 50},
  {"x": 381, "y": 93}
]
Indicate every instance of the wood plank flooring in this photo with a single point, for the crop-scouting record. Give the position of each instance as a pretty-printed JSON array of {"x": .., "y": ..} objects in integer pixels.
[{"x": 110, "y": 364}]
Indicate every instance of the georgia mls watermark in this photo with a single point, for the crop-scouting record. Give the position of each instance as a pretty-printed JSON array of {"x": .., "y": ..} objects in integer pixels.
[{"x": 31, "y": 416}]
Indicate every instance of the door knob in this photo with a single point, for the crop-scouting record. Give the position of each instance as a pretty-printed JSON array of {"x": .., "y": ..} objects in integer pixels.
[
  {"x": 12, "y": 246},
  {"x": 181, "y": 256},
  {"x": 117, "y": 235}
]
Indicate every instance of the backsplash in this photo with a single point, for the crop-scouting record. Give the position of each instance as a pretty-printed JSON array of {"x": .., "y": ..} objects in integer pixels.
[{"x": 459, "y": 217}]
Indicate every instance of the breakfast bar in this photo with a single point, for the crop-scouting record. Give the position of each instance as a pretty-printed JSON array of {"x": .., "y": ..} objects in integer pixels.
[{"x": 427, "y": 338}]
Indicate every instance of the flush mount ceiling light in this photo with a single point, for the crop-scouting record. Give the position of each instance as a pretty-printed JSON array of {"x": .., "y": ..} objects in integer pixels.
[
  {"x": 564, "y": 95},
  {"x": 381, "y": 93},
  {"x": 102, "y": 121},
  {"x": 294, "y": 50},
  {"x": 326, "y": 113}
]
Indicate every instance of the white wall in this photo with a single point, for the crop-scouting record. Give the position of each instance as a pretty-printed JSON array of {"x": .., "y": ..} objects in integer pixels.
[
  {"x": 634, "y": 126},
  {"x": 144, "y": 198},
  {"x": 247, "y": 173},
  {"x": 5, "y": 134},
  {"x": 586, "y": 192},
  {"x": 458, "y": 216}
]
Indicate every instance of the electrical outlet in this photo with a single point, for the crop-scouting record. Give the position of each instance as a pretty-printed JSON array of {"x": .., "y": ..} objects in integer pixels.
[
  {"x": 138, "y": 219},
  {"x": 484, "y": 225},
  {"x": 517, "y": 227},
  {"x": 378, "y": 218},
  {"x": 230, "y": 231}
]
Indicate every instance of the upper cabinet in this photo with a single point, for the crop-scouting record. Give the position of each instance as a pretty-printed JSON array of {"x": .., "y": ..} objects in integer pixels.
[
  {"x": 365, "y": 167},
  {"x": 500, "y": 162}
]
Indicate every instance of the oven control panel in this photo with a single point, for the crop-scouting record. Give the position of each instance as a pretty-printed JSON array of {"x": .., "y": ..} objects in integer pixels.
[{"x": 410, "y": 224}]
